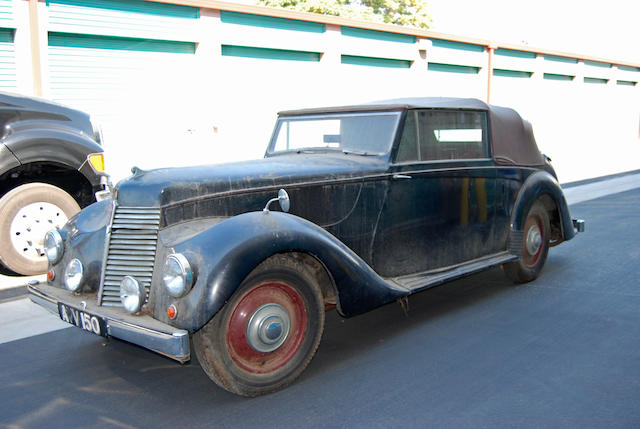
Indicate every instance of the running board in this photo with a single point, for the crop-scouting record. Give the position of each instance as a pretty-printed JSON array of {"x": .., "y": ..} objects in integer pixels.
[{"x": 418, "y": 282}]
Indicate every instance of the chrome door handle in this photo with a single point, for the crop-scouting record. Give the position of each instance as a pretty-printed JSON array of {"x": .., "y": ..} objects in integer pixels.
[{"x": 401, "y": 176}]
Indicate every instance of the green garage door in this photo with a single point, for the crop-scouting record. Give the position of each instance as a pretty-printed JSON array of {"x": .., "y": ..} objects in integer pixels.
[
  {"x": 103, "y": 53},
  {"x": 101, "y": 74},
  {"x": 130, "y": 64},
  {"x": 8, "y": 81}
]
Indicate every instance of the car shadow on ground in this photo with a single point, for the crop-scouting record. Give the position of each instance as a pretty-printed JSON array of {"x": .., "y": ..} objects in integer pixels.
[
  {"x": 95, "y": 372},
  {"x": 344, "y": 340}
]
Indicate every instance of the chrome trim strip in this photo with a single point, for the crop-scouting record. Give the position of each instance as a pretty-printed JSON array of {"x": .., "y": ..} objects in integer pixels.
[{"x": 174, "y": 343}]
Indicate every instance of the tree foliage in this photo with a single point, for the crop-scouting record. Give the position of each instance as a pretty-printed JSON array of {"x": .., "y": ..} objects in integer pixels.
[{"x": 411, "y": 13}]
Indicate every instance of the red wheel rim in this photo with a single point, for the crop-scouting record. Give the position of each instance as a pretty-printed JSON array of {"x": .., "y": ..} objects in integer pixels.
[
  {"x": 534, "y": 224},
  {"x": 241, "y": 352}
]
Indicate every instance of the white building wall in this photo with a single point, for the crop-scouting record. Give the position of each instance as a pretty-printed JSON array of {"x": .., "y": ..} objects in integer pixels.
[{"x": 167, "y": 109}]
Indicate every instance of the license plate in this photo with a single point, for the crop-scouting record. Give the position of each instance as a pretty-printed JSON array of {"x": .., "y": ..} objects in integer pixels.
[{"x": 83, "y": 320}]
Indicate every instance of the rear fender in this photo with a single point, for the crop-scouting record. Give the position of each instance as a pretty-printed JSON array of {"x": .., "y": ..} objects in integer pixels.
[
  {"x": 226, "y": 253},
  {"x": 535, "y": 186}
]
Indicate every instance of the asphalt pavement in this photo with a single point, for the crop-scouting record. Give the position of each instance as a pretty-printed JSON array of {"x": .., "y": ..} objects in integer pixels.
[{"x": 559, "y": 352}]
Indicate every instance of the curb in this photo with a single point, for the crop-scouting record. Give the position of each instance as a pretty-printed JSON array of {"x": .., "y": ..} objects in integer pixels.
[
  {"x": 597, "y": 179},
  {"x": 15, "y": 287},
  {"x": 12, "y": 293}
]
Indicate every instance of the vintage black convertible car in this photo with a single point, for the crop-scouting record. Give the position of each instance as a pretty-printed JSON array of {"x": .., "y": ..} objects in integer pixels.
[{"x": 376, "y": 202}]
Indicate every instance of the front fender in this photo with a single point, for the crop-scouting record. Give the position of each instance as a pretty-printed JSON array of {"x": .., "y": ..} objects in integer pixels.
[
  {"x": 60, "y": 145},
  {"x": 539, "y": 184},
  {"x": 227, "y": 252},
  {"x": 84, "y": 237}
]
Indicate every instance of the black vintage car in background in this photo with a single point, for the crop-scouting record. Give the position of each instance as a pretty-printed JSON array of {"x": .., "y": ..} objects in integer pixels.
[
  {"x": 376, "y": 202},
  {"x": 51, "y": 165}
]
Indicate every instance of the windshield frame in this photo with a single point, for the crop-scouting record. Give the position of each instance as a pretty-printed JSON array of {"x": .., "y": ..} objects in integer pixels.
[{"x": 396, "y": 113}]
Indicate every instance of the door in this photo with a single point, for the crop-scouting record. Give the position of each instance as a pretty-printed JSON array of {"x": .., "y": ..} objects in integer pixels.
[{"x": 440, "y": 207}]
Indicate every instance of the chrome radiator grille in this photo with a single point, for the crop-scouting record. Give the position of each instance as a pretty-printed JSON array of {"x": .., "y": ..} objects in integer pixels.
[{"x": 131, "y": 251}]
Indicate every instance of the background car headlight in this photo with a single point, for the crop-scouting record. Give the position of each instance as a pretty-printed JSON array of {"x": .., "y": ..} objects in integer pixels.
[
  {"x": 132, "y": 294},
  {"x": 73, "y": 275},
  {"x": 53, "y": 246},
  {"x": 177, "y": 275}
]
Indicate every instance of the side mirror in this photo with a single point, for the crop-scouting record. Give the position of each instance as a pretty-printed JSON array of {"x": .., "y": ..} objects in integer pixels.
[{"x": 283, "y": 199}]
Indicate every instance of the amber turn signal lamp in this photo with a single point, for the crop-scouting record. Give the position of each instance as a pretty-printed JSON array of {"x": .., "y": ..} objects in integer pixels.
[
  {"x": 172, "y": 312},
  {"x": 97, "y": 160},
  {"x": 51, "y": 275}
]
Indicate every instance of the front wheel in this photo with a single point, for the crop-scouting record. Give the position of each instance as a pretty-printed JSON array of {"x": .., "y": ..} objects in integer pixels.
[
  {"x": 26, "y": 214},
  {"x": 267, "y": 333},
  {"x": 535, "y": 247}
]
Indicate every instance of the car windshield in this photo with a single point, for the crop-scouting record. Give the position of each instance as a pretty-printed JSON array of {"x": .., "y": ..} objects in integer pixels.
[{"x": 369, "y": 133}]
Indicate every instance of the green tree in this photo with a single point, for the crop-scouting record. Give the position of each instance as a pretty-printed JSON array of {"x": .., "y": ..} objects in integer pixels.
[{"x": 411, "y": 13}]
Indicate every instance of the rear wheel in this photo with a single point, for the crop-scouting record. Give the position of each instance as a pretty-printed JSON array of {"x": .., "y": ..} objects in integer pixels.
[
  {"x": 267, "y": 333},
  {"x": 26, "y": 214},
  {"x": 535, "y": 247}
]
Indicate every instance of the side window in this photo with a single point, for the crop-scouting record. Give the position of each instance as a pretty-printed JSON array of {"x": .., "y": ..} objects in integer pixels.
[
  {"x": 431, "y": 135},
  {"x": 408, "y": 149}
]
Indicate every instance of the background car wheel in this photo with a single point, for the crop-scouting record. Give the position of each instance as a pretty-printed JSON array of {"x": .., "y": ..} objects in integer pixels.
[
  {"x": 535, "y": 247},
  {"x": 267, "y": 333},
  {"x": 26, "y": 214}
]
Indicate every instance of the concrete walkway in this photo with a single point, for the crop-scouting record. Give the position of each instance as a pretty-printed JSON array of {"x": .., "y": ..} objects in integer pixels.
[
  {"x": 21, "y": 318},
  {"x": 591, "y": 191}
]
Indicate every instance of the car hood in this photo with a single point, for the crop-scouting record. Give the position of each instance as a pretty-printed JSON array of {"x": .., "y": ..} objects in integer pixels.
[{"x": 170, "y": 186}]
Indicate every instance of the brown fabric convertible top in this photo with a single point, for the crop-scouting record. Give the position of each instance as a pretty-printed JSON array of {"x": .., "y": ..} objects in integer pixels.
[{"x": 512, "y": 139}]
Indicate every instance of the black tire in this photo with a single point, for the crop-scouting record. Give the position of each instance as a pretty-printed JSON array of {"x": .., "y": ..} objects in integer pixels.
[
  {"x": 223, "y": 347},
  {"x": 534, "y": 251},
  {"x": 23, "y": 224}
]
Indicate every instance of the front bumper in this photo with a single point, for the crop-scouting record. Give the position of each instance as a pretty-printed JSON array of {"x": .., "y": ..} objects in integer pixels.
[{"x": 142, "y": 330}]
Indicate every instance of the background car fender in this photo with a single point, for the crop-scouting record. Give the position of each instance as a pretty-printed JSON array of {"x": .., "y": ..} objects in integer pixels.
[
  {"x": 43, "y": 144},
  {"x": 226, "y": 253},
  {"x": 8, "y": 160},
  {"x": 536, "y": 185}
]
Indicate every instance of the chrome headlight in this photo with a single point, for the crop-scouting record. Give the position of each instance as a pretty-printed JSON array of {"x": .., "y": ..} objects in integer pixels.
[
  {"x": 132, "y": 294},
  {"x": 177, "y": 275},
  {"x": 53, "y": 246},
  {"x": 73, "y": 275}
]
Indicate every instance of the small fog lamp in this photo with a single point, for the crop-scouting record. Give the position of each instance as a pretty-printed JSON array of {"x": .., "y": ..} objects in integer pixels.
[
  {"x": 177, "y": 275},
  {"x": 132, "y": 294},
  {"x": 73, "y": 275},
  {"x": 53, "y": 246}
]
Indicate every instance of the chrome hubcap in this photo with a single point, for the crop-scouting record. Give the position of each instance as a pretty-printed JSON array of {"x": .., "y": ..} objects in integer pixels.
[
  {"x": 268, "y": 328},
  {"x": 533, "y": 240},
  {"x": 30, "y": 225}
]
